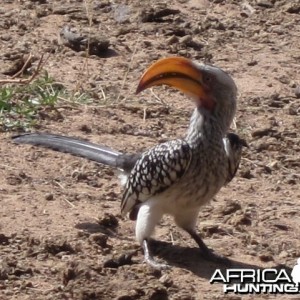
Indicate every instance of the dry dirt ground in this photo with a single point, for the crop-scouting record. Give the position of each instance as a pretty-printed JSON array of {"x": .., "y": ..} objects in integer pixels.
[{"x": 61, "y": 233}]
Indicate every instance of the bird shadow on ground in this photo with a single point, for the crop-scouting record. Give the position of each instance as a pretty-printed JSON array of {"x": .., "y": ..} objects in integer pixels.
[
  {"x": 109, "y": 53},
  {"x": 191, "y": 260},
  {"x": 185, "y": 257}
]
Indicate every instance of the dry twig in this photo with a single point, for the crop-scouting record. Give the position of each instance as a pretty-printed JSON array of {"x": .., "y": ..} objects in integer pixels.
[
  {"x": 40, "y": 65},
  {"x": 24, "y": 66}
]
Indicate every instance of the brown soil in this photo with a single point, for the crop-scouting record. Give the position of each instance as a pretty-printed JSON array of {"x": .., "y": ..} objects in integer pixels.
[{"x": 61, "y": 233}]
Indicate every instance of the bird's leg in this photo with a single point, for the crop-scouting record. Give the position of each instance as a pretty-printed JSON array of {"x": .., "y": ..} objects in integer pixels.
[
  {"x": 149, "y": 214},
  {"x": 206, "y": 252},
  {"x": 149, "y": 257}
]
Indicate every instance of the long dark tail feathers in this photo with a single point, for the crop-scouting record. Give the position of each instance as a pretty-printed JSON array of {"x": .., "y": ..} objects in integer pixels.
[{"x": 75, "y": 146}]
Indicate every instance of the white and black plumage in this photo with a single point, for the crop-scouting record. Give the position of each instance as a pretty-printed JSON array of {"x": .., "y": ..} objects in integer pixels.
[{"x": 179, "y": 176}]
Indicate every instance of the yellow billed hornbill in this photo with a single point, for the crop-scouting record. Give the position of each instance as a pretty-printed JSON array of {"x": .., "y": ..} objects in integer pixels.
[{"x": 179, "y": 176}]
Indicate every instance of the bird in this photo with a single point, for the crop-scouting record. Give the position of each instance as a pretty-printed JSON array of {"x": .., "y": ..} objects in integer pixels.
[
  {"x": 179, "y": 176},
  {"x": 122, "y": 161}
]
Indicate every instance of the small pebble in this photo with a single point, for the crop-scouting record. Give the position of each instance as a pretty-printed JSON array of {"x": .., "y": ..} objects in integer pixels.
[{"x": 49, "y": 197}]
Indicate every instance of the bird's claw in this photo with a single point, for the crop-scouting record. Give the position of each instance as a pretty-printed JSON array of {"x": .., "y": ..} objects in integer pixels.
[
  {"x": 156, "y": 265},
  {"x": 150, "y": 260}
]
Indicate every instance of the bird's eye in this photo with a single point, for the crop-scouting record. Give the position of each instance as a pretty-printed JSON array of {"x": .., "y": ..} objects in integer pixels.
[{"x": 207, "y": 79}]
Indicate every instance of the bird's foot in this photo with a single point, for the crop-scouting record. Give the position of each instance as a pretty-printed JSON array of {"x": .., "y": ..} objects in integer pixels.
[
  {"x": 156, "y": 265},
  {"x": 150, "y": 260}
]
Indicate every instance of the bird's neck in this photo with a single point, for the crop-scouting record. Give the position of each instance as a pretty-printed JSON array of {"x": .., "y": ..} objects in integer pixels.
[{"x": 205, "y": 126}]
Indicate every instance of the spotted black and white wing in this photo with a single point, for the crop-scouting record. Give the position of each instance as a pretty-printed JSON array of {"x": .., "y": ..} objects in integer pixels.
[{"x": 156, "y": 170}]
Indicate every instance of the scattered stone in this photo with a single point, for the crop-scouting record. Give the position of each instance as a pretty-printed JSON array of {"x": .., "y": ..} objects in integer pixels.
[
  {"x": 19, "y": 271},
  {"x": 276, "y": 103},
  {"x": 157, "y": 14},
  {"x": 293, "y": 110},
  {"x": 266, "y": 257},
  {"x": 247, "y": 9},
  {"x": 96, "y": 45},
  {"x": 166, "y": 280},
  {"x": 4, "y": 240},
  {"x": 265, "y": 3},
  {"x": 293, "y": 8},
  {"x": 210, "y": 230},
  {"x": 189, "y": 41},
  {"x": 291, "y": 180},
  {"x": 281, "y": 226},
  {"x": 267, "y": 169},
  {"x": 252, "y": 63},
  {"x": 246, "y": 174},
  {"x": 263, "y": 132},
  {"x": 230, "y": 208},
  {"x": 297, "y": 91},
  {"x": 124, "y": 259},
  {"x": 121, "y": 13},
  {"x": 49, "y": 197},
  {"x": 14, "y": 180},
  {"x": 26, "y": 285},
  {"x": 241, "y": 220},
  {"x": 172, "y": 40},
  {"x": 283, "y": 254},
  {"x": 160, "y": 293},
  {"x": 18, "y": 64},
  {"x": 56, "y": 246},
  {"x": 108, "y": 220},
  {"x": 85, "y": 128},
  {"x": 284, "y": 79},
  {"x": 100, "y": 239},
  {"x": 69, "y": 274},
  {"x": 6, "y": 37}
]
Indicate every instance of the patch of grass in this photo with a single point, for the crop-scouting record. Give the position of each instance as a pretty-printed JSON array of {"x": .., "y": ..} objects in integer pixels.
[{"x": 23, "y": 106}]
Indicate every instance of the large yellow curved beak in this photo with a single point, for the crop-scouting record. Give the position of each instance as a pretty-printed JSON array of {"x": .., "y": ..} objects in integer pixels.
[{"x": 180, "y": 73}]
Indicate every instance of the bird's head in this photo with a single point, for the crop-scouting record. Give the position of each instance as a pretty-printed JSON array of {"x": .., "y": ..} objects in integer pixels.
[{"x": 213, "y": 90}]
